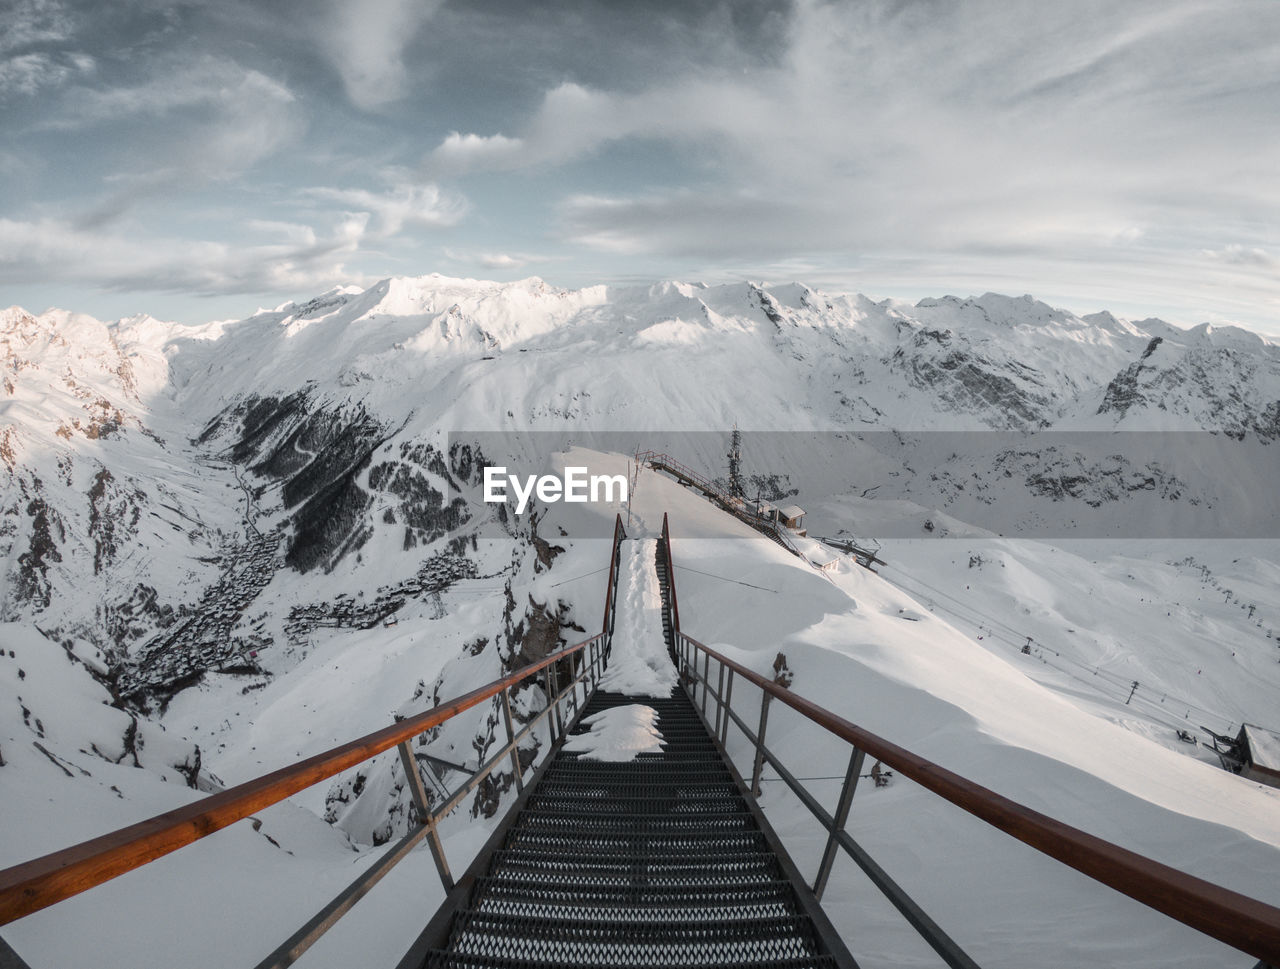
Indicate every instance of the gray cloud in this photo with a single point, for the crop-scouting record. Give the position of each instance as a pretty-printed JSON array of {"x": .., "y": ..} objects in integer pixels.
[
  {"x": 942, "y": 130},
  {"x": 27, "y": 74},
  {"x": 307, "y": 259},
  {"x": 27, "y": 23},
  {"x": 365, "y": 42},
  {"x": 1085, "y": 147}
]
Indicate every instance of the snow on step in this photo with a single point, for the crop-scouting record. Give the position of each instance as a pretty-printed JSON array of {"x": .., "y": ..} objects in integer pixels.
[
  {"x": 618, "y": 734},
  {"x": 639, "y": 664}
]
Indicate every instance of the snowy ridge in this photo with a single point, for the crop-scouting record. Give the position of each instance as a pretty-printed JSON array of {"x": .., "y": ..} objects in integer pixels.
[{"x": 285, "y": 488}]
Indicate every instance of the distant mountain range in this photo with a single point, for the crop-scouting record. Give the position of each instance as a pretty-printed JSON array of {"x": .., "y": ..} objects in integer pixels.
[{"x": 145, "y": 462}]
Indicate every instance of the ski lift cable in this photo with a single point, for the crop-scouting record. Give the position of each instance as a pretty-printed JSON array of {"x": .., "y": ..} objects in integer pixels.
[
  {"x": 724, "y": 578},
  {"x": 1122, "y": 682},
  {"x": 1094, "y": 670}
]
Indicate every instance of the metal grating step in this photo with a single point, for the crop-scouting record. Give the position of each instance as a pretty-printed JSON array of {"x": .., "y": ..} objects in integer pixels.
[
  {"x": 638, "y": 893},
  {"x": 632, "y": 843},
  {"x": 587, "y": 824},
  {"x": 631, "y": 806},
  {"x": 619, "y": 869},
  {"x": 654, "y": 862},
  {"x": 638, "y": 773},
  {"x": 586, "y": 787},
  {"x": 633, "y": 941},
  {"x": 439, "y": 959}
]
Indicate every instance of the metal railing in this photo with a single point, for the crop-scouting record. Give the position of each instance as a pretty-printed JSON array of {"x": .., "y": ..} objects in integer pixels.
[
  {"x": 37, "y": 884},
  {"x": 1245, "y": 923},
  {"x": 673, "y": 607},
  {"x": 610, "y": 595},
  {"x": 732, "y": 504}
]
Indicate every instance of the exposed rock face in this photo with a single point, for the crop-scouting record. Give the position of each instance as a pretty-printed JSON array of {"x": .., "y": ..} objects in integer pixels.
[
  {"x": 47, "y": 533},
  {"x": 1007, "y": 394},
  {"x": 1216, "y": 387}
]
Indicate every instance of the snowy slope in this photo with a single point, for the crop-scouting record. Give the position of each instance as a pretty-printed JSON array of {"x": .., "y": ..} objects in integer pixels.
[{"x": 215, "y": 525}]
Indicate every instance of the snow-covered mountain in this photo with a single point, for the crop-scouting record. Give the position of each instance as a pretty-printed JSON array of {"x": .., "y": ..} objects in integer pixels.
[
  {"x": 329, "y": 419},
  {"x": 207, "y": 528}
]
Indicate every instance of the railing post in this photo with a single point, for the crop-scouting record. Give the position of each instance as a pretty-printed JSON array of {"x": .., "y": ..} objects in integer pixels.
[
  {"x": 706, "y": 681},
  {"x": 690, "y": 668},
  {"x": 758, "y": 769},
  {"x": 851, "y": 776},
  {"x": 719, "y": 701},
  {"x": 574, "y": 686},
  {"x": 419, "y": 794},
  {"x": 511, "y": 737},
  {"x": 554, "y": 681},
  {"x": 551, "y": 717},
  {"x": 728, "y": 705}
]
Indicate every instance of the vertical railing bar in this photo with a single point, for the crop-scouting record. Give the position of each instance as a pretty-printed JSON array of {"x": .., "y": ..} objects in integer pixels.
[
  {"x": 574, "y": 696},
  {"x": 511, "y": 739},
  {"x": 555, "y": 692},
  {"x": 706, "y": 681},
  {"x": 551, "y": 699},
  {"x": 419, "y": 794},
  {"x": 856, "y": 757},
  {"x": 758, "y": 768},
  {"x": 690, "y": 670},
  {"x": 719, "y": 700},
  {"x": 728, "y": 707}
]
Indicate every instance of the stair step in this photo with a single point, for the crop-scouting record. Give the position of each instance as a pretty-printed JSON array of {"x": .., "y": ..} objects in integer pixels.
[
  {"x": 584, "y": 822},
  {"x": 622, "y": 867},
  {"x": 697, "y": 807},
  {"x": 632, "y": 941},
  {"x": 441, "y": 959},
  {"x": 630, "y": 842},
  {"x": 653, "y": 862},
  {"x": 530, "y": 888}
]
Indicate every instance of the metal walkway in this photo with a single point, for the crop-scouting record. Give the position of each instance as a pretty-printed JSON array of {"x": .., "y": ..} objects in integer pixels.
[{"x": 659, "y": 861}]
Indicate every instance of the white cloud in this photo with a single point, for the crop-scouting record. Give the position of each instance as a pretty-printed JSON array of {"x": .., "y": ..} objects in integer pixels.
[
  {"x": 1246, "y": 256},
  {"x": 461, "y": 153},
  {"x": 211, "y": 116},
  {"x": 365, "y": 41},
  {"x": 58, "y": 252},
  {"x": 404, "y": 205},
  {"x": 27, "y": 74},
  {"x": 500, "y": 260},
  {"x": 956, "y": 133}
]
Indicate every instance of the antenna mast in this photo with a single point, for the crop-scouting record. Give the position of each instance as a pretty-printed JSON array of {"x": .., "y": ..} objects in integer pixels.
[{"x": 735, "y": 464}]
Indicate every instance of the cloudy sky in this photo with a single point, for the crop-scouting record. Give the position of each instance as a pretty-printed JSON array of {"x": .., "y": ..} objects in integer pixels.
[{"x": 198, "y": 159}]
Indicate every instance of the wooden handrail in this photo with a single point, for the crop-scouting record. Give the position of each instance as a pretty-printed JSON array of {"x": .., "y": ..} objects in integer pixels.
[
  {"x": 1238, "y": 920},
  {"x": 44, "y": 881}
]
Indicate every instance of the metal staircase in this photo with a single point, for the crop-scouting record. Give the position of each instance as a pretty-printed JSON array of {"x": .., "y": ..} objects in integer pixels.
[
  {"x": 662, "y": 861},
  {"x": 659, "y": 861}
]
